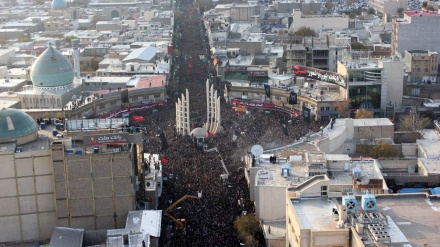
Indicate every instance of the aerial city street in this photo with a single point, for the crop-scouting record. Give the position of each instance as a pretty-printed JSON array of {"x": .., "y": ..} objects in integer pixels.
[{"x": 186, "y": 123}]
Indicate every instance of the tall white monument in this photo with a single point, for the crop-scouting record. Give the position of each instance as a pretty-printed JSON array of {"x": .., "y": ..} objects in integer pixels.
[
  {"x": 182, "y": 115},
  {"x": 213, "y": 119}
]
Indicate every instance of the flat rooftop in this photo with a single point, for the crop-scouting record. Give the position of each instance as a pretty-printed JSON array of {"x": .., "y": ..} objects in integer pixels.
[
  {"x": 315, "y": 214},
  {"x": 366, "y": 122},
  {"x": 430, "y": 146},
  {"x": 415, "y": 216},
  {"x": 432, "y": 166},
  {"x": 413, "y": 220}
]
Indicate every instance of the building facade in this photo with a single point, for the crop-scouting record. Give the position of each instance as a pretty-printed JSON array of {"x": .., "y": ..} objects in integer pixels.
[{"x": 417, "y": 30}]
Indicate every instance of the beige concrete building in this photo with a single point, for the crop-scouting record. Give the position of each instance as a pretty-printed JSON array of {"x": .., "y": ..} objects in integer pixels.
[
  {"x": 388, "y": 8},
  {"x": 50, "y": 181},
  {"x": 421, "y": 66},
  {"x": 318, "y": 22}
]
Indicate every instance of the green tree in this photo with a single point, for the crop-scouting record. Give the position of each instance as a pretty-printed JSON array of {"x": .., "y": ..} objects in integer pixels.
[
  {"x": 357, "y": 46},
  {"x": 247, "y": 227},
  {"x": 352, "y": 15},
  {"x": 305, "y": 31},
  {"x": 343, "y": 106},
  {"x": 371, "y": 11},
  {"x": 364, "y": 113},
  {"x": 383, "y": 149}
]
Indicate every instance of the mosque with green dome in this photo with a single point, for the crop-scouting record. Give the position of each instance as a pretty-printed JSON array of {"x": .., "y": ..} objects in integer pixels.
[{"x": 53, "y": 82}]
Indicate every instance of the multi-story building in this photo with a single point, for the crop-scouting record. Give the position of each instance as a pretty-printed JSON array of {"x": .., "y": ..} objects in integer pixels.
[
  {"x": 421, "y": 66},
  {"x": 374, "y": 82},
  {"x": 388, "y": 8},
  {"x": 76, "y": 181},
  {"x": 417, "y": 30},
  {"x": 318, "y": 22}
]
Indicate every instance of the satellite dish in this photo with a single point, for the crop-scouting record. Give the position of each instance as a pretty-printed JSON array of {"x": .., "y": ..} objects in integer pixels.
[{"x": 257, "y": 150}]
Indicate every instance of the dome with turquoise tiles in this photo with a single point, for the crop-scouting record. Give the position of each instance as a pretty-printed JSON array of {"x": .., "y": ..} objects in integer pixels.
[
  {"x": 51, "y": 69},
  {"x": 17, "y": 126},
  {"x": 58, "y": 5}
]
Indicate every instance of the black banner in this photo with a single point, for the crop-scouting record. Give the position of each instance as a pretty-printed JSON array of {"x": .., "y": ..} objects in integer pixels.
[
  {"x": 319, "y": 74},
  {"x": 306, "y": 113},
  {"x": 267, "y": 90},
  {"x": 293, "y": 99}
]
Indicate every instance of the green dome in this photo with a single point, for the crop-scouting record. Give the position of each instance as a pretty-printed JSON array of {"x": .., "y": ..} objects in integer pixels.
[
  {"x": 51, "y": 69},
  {"x": 58, "y": 4},
  {"x": 17, "y": 126}
]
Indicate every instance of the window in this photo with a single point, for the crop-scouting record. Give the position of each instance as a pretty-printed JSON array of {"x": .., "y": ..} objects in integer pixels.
[
  {"x": 58, "y": 103},
  {"x": 157, "y": 95},
  {"x": 322, "y": 108},
  {"x": 323, "y": 187},
  {"x": 113, "y": 102},
  {"x": 135, "y": 98},
  {"x": 327, "y": 108}
]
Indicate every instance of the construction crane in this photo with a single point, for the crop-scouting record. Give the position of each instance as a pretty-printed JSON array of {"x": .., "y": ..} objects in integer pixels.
[{"x": 179, "y": 222}]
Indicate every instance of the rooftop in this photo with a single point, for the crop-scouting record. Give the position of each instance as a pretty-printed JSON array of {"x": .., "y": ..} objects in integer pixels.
[
  {"x": 366, "y": 122},
  {"x": 430, "y": 147},
  {"x": 315, "y": 214},
  {"x": 421, "y": 13},
  {"x": 432, "y": 166},
  {"x": 413, "y": 220}
]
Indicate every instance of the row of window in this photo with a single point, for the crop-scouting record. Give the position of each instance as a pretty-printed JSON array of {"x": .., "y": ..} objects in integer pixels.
[
  {"x": 42, "y": 101},
  {"x": 155, "y": 96},
  {"x": 418, "y": 70}
]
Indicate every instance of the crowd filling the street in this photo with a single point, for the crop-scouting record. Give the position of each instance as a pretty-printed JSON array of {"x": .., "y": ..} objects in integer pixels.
[{"x": 190, "y": 170}]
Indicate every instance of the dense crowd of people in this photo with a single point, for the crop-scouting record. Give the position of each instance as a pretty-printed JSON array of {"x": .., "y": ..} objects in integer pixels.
[{"x": 190, "y": 170}]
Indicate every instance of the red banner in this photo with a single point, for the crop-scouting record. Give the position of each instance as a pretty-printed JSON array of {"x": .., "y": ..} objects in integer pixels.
[
  {"x": 264, "y": 105},
  {"x": 133, "y": 109}
]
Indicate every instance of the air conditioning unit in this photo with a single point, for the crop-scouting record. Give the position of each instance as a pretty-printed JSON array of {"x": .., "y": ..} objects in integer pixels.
[
  {"x": 368, "y": 202},
  {"x": 350, "y": 202}
]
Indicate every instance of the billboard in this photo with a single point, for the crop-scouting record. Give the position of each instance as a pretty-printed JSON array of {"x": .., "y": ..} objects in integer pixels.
[
  {"x": 319, "y": 74},
  {"x": 100, "y": 139},
  {"x": 263, "y": 105}
]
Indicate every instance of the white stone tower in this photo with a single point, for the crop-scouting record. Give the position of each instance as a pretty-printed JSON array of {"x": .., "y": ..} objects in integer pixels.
[{"x": 182, "y": 115}]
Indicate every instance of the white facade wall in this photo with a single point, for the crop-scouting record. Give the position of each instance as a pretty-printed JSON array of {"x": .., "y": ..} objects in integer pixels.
[
  {"x": 392, "y": 82},
  {"x": 269, "y": 202},
  {"x": 27, "y": 210},
  {"x": 336, "y": 142},
  {"x": 337, "y": 23}
]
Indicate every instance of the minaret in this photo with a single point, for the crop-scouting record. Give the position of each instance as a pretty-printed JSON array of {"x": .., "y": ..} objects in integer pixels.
[{"x": 76, "y": 67}]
